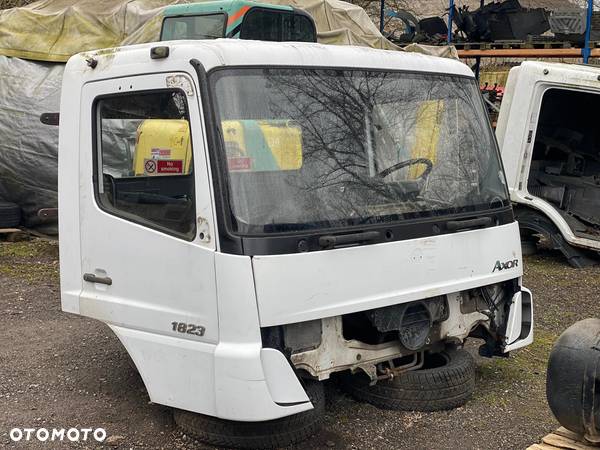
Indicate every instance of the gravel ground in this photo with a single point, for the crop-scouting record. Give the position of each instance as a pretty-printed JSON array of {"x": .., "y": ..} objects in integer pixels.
[{"x": 62, "y": 371}]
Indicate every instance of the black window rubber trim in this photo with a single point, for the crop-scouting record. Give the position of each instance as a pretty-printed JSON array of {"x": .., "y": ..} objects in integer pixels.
[
  {"x": 297, "y": 242},
  {"x": 228, "y": 242}
]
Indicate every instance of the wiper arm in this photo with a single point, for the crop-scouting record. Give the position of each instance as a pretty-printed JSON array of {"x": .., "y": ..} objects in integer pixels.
[
  {"x": 330, "y": 241},
  {"x": 457, "y": 225}
]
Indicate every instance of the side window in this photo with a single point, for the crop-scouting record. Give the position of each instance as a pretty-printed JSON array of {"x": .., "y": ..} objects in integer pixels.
[
  {"x": 298, "y": 28},
  {"x": 144, "y": 160},
  {"x": 276, "y": 25},
  {"x": 209, "y": 26},
  {"x": 261, "y": 25}
]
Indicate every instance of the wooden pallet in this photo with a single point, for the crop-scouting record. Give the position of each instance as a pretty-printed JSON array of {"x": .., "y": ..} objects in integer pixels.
[
  {"x": 512, "y": 45},
  {"x": 526, "y": 53},
  {"x": 10, "y": 230},
  {"x": 19, "y": 234},
  {"x": 12, "y": 234},
  {"x": 563, "y": 439}
]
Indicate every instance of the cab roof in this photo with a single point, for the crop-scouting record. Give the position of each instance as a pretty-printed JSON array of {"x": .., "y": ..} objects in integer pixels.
[
  {"x": 237, "y": 52},
  {"x": 225, "y": 6}
]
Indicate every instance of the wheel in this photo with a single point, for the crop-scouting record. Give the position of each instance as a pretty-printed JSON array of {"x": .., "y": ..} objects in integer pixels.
[
  {"x": 446, "y": 381},
  {"x": 10, "y": 215},
  {"x": 270, "y": 434}
]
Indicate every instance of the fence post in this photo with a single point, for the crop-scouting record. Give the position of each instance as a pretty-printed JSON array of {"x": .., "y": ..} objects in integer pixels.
[
  {"x": 450, "y": 20},
  {"x": 587, "y": 51}
]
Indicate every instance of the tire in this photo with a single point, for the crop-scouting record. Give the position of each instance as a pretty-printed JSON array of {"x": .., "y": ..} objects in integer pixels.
[
  {"x": 448, "y": 384},
  {"x": 254, "y": 435},
  {"x": 10, "y": 215}
]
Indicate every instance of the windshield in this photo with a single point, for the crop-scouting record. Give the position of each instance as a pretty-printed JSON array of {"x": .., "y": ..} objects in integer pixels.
[{"x": 311, "y": 149}]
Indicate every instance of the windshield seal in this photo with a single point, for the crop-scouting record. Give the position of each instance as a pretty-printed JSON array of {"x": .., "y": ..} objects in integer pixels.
[{"x": 431, "y": 223}]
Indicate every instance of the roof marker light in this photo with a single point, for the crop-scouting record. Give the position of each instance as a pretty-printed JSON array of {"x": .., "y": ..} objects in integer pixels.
[{"x": 159, "y": 52}]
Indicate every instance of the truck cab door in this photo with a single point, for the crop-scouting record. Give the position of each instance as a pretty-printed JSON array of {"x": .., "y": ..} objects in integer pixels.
[
  {"x": 517, "y": 122},
  {"x": 146, "y": 221}
]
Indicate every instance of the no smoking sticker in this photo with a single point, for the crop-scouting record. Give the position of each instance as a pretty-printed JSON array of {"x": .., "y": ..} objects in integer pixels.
[
  {"x": 150, "y": 166},
  {"x": 163, "y": 166}
]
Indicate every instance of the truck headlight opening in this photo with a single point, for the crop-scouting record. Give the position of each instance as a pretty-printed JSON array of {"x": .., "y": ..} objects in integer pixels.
[{"x": 415, "y": 326}]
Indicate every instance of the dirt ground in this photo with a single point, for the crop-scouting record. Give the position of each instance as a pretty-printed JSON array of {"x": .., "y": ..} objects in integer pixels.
[{"x": 62, "y": 371}]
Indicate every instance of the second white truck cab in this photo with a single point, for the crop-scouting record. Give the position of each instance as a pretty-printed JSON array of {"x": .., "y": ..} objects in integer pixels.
[
  {"x": 252, "y": 218},
  {"x": 550, "y": 143}
]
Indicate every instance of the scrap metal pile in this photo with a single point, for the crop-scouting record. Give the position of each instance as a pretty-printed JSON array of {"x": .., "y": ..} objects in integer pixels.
[
  {"x": 507, "y": 20},
  {"x": 497, "y": 21}
]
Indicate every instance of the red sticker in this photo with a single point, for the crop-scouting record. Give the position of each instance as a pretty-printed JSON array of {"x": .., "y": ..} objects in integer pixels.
[
  {"x": 239, "y": 163},
  {"x": 169, "y": 166}
]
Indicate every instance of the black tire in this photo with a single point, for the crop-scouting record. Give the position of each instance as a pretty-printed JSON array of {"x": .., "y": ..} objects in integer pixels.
[
  {"x": 254, "y": 435},
  {"x": 10, "y": 215},
  {"x": 447, "y": 381}
]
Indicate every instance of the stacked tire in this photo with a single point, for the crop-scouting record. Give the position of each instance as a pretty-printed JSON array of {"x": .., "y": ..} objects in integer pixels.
[
  {"x": 446, "y": 381},
  {"x": 10, "y": 215}
]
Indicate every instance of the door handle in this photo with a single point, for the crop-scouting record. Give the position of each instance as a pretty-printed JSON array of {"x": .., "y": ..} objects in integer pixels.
[{"x": 90, "y": 277}]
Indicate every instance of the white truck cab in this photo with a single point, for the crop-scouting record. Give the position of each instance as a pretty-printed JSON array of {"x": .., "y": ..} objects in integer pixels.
[
  {"x": 550, "y": 144},
  {"x": 250, "y": 216}
]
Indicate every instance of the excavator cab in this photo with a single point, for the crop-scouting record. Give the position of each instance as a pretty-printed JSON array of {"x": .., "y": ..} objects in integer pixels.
[{"x": 237, "y": 19}]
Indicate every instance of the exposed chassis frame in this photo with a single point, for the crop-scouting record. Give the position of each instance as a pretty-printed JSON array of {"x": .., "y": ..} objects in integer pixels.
[{"x": 336, "y": 353}]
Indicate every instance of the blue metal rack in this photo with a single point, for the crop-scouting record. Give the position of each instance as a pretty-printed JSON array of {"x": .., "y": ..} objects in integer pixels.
[
  {"x": 451, "y": 19},
  {"x": 586, "y": 52}
]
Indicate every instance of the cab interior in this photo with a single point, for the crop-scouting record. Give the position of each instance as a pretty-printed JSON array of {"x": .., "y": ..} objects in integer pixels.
[{"x": 565, "y": 165}]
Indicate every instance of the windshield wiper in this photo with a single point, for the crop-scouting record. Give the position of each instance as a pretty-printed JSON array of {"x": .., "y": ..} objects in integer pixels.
[
  {"x": 457, "y": 225},
  {"x": 330, "y": 241}
]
